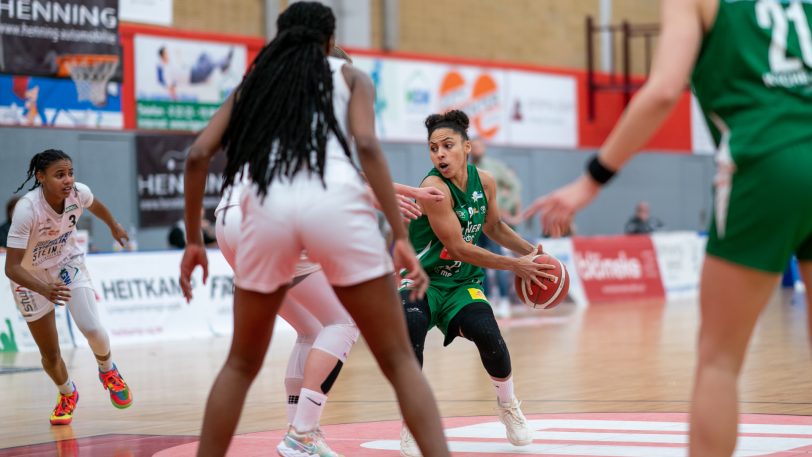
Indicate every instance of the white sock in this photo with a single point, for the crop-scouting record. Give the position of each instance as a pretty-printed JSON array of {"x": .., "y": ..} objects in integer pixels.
[
  {"x": 311, "y": 404},
  {"x": 504, "y": 390},
  {"x": 67, "y": 388},
  {"x": 105, "y": 365}
]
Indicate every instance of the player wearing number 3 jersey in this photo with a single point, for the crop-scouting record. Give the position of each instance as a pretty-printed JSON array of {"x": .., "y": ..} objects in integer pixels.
[
  {"x": 46, "y": 266},
  {"x": 750, "y": 65}
]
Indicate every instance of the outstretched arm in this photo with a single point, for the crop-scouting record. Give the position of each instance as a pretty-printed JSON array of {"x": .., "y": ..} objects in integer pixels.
[
  {"x": 203, "y": 149},
  {"x": 679, "y": 43},
  {"x": 100, "y": 210}
]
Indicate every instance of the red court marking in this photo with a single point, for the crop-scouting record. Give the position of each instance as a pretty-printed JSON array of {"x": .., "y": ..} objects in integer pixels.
[{"x": 349, "y": 438}]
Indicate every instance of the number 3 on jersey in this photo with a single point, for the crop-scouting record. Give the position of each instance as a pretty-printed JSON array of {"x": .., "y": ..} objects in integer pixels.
[
  {"x": 771, "y": 14},
  {"x": 72, "y": 219}
]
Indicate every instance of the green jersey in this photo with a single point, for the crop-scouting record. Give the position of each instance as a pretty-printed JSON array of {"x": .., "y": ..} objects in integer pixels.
[
  {"x": 470, "y": 206},
  {"x": 753, "y": 76}
]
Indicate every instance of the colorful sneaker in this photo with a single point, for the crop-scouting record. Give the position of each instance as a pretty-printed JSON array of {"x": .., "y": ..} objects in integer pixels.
[
  {"x": 119, "y": 392},
  {"x": 408, "y": 446},
  {"x": 65, "y": 404},
  {"x": 310, "y": 444},
  {"x": 516, "y": 426}
]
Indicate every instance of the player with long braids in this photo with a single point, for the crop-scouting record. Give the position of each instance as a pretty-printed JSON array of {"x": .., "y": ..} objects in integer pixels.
[{"x": 288, "y": 123}]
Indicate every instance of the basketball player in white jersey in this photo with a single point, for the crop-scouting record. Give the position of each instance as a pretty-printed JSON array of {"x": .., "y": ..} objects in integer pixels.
[
  {"x": 325, "y": 331},
  {"x": 288, "y": 122},
  {"x": 46, "y": 266}
]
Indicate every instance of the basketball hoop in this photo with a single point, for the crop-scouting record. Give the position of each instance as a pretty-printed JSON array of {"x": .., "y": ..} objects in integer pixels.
[{"x": 90, "y": 73}]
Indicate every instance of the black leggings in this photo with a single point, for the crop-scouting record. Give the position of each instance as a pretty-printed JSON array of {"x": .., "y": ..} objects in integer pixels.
[{"x": 474, "y": 322}]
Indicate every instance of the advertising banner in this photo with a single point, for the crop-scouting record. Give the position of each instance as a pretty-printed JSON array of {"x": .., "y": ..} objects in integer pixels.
[
  {"x": 179, "y": 84},
  {"x": 618, "y": 268},
  {"x": 143, "y": 301},
  {"x": 35, "y": 33},
  {"x": 159, "y": 162},
  {"x": 54, "y": 102},
  {"x": 505, "y": 106},
  {"x": 679, "y": 256}
]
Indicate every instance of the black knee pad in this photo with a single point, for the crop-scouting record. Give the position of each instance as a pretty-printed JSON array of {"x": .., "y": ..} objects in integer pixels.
[
  {"x": 331, "y": 378},
  {"x": 418, "y": 317},
  {"x": 476, "y": 323}
]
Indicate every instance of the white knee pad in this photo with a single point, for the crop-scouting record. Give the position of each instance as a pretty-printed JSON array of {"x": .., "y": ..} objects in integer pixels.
[
  {"x": 85, "y": 314},
  {"x": 337, "y": 340}
]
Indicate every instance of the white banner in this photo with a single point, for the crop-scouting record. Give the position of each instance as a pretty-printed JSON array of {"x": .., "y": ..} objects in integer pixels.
[
  {"x": 541, "y": 110},
  {"x": 679, "y": 256},
  {"x": 140, "y": 298},
  {"x": 505, "y": 106},
  {"x": 561, "y": 249},
  {"x": 158, "y": 12}
]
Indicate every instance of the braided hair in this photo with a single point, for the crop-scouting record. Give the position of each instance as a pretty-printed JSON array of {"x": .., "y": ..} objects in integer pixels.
[
  {"x": 40, "y": 162},
  {"x": 455, "y": 120},
  {"x": 283, "y": 111}
]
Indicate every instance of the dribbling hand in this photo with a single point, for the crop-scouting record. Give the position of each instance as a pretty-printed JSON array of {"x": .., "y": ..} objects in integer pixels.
[
  {"x": 194, "y": 255},
  {"x": 404, "y": 258},
  {"x": 531, "y": 271}
]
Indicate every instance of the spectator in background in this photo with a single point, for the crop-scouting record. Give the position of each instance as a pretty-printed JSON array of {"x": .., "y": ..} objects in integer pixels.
[
  {"x": 509, "y": 200},
  {"x": 642, "y": 222},
  {"x": 177, "y": 234},
  {"x": 12, "y": 202}
]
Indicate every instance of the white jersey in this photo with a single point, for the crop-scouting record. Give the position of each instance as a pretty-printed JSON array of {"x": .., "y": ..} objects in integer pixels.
[
  {"x": 48, "y": 237},
  {"x": 338, "y": 167}
]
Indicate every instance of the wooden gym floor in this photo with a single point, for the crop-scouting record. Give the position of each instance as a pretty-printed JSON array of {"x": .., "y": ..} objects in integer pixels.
[{"x": 619, "y": 358}]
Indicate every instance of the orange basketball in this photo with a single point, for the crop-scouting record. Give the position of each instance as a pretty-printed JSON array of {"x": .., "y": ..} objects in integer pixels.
[{"x": 536, "y": 297}]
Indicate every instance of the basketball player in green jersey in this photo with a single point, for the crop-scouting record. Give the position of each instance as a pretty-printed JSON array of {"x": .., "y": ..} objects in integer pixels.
[
  {"x": 750, "y": 65},
  {"x": 445, "y": 239}
]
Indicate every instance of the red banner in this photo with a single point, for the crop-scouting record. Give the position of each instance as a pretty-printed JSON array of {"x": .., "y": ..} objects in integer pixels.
[{"x": 618, "y": 268}]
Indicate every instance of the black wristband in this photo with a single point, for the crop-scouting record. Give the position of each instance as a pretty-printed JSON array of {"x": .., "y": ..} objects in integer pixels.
[{"x": 598, "y": 171}]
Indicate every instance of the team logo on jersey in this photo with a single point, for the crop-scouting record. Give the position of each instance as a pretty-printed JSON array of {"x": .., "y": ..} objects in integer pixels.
[
  {"x": 71, "y": 208},
  {"x": 463, "y": 214},
  {"x": 476, "y": 195}
]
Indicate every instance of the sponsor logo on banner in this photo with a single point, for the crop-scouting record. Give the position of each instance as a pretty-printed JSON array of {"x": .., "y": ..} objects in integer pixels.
[
  {"x": 481, "y": 104},
  {"x": 141, "y": 298},
  {"x": 618, "y": 268},
  {"x": 34, "y": 34},
  {"x": 159, "y": 162},
  {"x": 506, "y": 106},
  {"x": 680, "y": 256},
  {"x": 417, "y": 93}
]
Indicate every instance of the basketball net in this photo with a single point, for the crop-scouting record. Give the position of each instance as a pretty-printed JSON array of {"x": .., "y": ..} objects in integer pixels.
[{"x": 90, "y": 73}]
